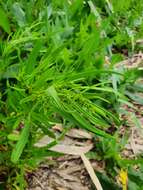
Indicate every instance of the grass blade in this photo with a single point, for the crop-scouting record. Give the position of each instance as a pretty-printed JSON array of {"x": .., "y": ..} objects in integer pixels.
[
  {"x": 17, "y": 151},
  {"x": 32, "y": 57},
  {"x": 4, "y": 22}
]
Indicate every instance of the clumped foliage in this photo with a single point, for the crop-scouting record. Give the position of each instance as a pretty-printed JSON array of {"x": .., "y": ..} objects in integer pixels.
[{"x": 54, "y": 69}]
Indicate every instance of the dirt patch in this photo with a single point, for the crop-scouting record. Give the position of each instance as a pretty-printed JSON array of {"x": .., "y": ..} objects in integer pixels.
[{"x": 68, "y": 174}]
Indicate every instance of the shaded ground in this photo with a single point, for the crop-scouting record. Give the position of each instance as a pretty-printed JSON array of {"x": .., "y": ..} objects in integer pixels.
[{"x": 68, "y": 173}]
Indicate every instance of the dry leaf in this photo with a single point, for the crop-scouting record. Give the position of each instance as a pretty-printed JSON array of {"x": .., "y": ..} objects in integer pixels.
[
  {"x": 61, "y": 188},
  {"x": 91, "y": 172},
  {"x": 44, "y": 141},
  {"x": 132, "y": 62},
  {"x": 139, "y": 41},
  {"x": 79, "y": 133},
  {"x": 58, "y": 127},
  {"x": 75, "y": 133},
  {"x": 66, "y": 146},
  {"x": 74, "y": 150}
]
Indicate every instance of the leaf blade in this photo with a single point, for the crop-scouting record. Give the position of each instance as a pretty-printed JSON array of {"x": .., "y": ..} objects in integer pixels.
[
  {"x": 17, "y": 151},
  {"x": 4, "y": 22}
]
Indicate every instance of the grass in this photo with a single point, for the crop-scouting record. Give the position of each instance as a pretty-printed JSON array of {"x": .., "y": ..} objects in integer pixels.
[{"x": 54, "y": 69}]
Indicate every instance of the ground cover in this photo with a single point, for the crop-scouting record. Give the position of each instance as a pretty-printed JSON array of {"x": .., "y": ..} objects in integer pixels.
[{"x": 64, "y": 66}]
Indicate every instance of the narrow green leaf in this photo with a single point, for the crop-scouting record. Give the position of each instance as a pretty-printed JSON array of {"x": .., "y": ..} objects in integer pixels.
[
  {"x": 95, "y": 120},
  {"x": 52, "y": 92},
  {"x": 32, "y": 57},
  {"x": 84, "y": 124},
  {"x": 4, "y": 22},
  {"x": 13, "y": 137},
  {"x": 18, "y": 149}
]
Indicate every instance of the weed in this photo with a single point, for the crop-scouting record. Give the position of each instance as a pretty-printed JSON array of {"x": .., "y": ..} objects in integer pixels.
[{"x": 54, "y": 70}]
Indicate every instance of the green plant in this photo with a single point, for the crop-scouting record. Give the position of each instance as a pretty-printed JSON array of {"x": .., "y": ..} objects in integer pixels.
[{"x": 53, "y": 70}]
